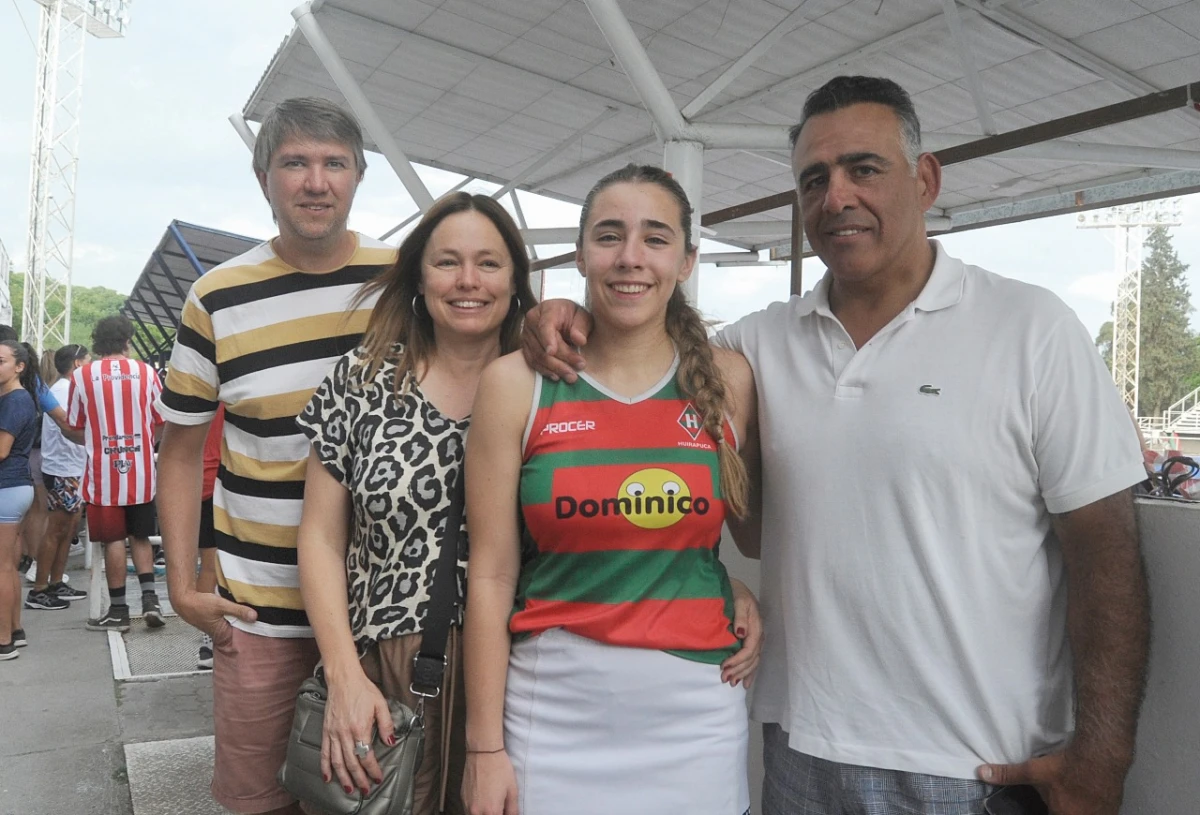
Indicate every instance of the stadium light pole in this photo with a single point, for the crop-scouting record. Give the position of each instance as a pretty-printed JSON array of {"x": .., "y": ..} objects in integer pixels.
[{"x": 58, "y": 97}]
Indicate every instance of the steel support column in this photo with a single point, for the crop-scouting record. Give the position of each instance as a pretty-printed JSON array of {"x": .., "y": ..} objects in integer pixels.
[
  {"x": 685, "y": 161},
  {"x": 361, "y": 106},
  {"x": 797, "y": 259},
  {"x": 623, "y": 41},
  {"x": 243, "y": 130}
]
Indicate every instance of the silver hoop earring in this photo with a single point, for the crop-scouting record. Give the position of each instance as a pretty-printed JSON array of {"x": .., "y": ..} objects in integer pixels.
[{"x": 414, "y": 304}]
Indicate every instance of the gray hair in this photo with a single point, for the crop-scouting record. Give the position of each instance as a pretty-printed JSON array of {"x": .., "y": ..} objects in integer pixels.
[
  {"x": 844, "y": 91},
  {"x": 310, "y": 116}
]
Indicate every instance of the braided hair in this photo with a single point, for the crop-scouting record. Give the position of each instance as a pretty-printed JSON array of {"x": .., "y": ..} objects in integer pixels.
[{"x": 697, "y": 376}]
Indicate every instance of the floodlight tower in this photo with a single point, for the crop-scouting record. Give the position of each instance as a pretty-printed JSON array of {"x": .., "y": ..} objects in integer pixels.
[
  {"x": 1131, "y": 225},
  {"x": 5, "y": 277},
  {"x": 58, "y": 93}
]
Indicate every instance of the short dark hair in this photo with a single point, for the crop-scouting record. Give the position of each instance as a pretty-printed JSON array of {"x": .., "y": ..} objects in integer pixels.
[
  {"x": 112, "y": 334},
  {"x": 64, "y": 358},
  {"x": 844, "y": 91},
  {"x": 7, "y": 332}
]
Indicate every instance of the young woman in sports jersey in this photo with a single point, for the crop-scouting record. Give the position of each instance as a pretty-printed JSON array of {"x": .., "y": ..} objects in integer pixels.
[
  {"x": 18, "y": 424},
  {"x": 595, "y": 510},
  {"x": 387, "y": 428}
]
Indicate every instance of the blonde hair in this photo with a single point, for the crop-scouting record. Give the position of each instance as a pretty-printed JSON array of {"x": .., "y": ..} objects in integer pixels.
[
  {"x": 48, "y": 370},
  {"x": 698, "y": 376}
]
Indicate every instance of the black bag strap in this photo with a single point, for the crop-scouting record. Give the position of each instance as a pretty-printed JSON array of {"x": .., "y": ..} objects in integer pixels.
[{"x": 430, "y": 662}]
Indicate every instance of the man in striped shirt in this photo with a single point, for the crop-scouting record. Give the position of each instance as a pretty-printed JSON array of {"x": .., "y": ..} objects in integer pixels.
[
  {"x": 112, "y": 402},
  {"x": 258, "y": 334}
]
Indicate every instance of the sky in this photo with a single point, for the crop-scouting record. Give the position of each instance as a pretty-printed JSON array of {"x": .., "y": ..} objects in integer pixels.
[{"x": 156, "y": 145}]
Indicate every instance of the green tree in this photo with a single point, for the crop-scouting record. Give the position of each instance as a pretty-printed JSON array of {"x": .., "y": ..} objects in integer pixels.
[
  {"x": 88, "y": 305},
  {"x": 1104, "y": 341},
  {"x": 1167, "y": 351}
]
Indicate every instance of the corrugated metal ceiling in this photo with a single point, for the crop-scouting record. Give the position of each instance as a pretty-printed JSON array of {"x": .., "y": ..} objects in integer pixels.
[{"x": 485, "y": 88}]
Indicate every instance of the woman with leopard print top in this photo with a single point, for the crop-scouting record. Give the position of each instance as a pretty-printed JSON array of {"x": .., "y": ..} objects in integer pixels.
[{"x": 387, "y": 429}]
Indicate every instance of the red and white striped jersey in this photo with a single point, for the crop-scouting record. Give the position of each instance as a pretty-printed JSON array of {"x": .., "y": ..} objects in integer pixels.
[{"x": 112, "y": 400}]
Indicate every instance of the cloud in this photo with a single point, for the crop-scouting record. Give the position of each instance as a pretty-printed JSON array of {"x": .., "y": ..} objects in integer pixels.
[
  {"x": 1100, "y": 287},
  {"x": 95, "y": 253}
]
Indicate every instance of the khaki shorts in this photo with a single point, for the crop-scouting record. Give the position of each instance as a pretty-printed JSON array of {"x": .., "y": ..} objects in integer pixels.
[{"x": 255, "y": 683}]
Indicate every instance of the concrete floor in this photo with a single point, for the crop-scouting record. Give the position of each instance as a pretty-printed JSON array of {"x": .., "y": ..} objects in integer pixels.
[{"x": 64, "y": 721}]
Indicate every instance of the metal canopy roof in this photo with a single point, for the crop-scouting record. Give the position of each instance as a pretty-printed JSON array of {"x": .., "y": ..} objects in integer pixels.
[
  {"x": 531, "y": 90},
  {"x": 185, "y": 252}
]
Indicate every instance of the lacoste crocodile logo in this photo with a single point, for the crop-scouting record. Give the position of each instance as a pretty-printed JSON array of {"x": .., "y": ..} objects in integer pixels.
[{"x": 930, "y": 389}]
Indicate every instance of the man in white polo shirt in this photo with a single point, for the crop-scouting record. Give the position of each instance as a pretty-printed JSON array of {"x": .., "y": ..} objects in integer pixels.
[{"x": 953, "y": 593}]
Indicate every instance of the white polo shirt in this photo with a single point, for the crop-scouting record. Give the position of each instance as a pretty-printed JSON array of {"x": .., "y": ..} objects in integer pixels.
[{"x": 913, "y": 592}]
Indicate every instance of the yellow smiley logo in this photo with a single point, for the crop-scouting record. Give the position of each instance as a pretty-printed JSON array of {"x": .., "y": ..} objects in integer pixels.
[{"x": 657, "y": 498}]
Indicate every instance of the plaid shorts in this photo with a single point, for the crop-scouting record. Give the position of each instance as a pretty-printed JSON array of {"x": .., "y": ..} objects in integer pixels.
[
  {"x": 799, "y": 784},
  {"x": 62, "y": 493}
]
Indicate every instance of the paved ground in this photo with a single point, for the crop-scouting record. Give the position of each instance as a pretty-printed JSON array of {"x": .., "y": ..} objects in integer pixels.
[{"x": 64, "y": 721}]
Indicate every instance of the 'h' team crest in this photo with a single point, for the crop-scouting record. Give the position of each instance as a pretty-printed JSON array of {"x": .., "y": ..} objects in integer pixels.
[{"x": 691, "y": 421}]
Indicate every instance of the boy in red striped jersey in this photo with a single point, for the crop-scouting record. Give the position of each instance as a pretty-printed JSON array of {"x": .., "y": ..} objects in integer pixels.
[{"x": 112, "y": 401}]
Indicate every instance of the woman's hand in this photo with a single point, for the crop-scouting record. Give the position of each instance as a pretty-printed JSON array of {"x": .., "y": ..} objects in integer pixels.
[
  {"x": 355, "y": 708},
  {"x": 490, "y": 785},
  {"x": 747, "y": 626}
]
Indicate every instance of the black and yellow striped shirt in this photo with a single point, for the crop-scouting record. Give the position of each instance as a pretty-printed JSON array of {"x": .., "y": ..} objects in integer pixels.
[{"x": 260, "y": 337}]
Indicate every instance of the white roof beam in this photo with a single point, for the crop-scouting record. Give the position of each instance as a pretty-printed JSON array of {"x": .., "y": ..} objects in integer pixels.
[
  {"x": 756, "y": 51},
  {"x": 541, "y": 161},
  {"x": 361, "y": 106},
  {"x": 419, "y": 212},
  {"x": 623, "y": 41},
  {"x": 775, "y": 137},
  {"x": 243, "y": 130},
  {"x": 934, "y": 23},
  {"x": 1114, "y": 154},
  {"x": 550, "y": 236},
  {"x": 1066, "y": 49},
  {"x": 1139, "y": 186},
  {"x": 521, "y": 222},
  {"x": 966, "y": 58}
]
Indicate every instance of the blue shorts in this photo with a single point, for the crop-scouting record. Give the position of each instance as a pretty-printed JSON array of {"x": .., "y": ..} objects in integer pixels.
[{"x": 14, "y": 503}]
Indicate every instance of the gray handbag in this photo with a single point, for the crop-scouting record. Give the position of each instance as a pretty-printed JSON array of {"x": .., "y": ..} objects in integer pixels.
[{"x": 301, "y": 771}]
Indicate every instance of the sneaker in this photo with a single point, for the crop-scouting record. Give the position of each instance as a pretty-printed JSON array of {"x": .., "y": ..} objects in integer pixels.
[
  {"x": 115, "y": 619},
  {"x": 24, "y": 563},
  {"x": 31, "y": 572},
  {"x": 160, "y": 562},
  {"x": 205, "y": 657},
  {"x": 76, "y": 548},
  {"x": 45, "y": 601},
  {"x": 64, "y": 591},
  {"x": 152, "y": 611},
  {"x": 19, "y": 639},
  {"x": 8, "y": 652}
]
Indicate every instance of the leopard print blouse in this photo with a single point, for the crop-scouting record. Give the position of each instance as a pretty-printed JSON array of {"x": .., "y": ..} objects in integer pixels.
[{"x": 400, "y": 459}]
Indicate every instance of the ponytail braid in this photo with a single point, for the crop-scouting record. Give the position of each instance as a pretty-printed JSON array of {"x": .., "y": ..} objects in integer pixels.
[{"x": 701, "y": 382}]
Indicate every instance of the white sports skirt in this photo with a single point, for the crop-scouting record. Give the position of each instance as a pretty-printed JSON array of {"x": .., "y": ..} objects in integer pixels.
[{"x": 595, "y": 729}]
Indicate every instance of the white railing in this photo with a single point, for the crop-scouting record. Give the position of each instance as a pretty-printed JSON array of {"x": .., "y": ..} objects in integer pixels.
[{"x": 1184, "y": 415}]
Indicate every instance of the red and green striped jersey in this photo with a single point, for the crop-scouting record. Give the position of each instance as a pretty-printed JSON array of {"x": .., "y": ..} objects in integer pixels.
[{"x": 623, "y": 511}]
